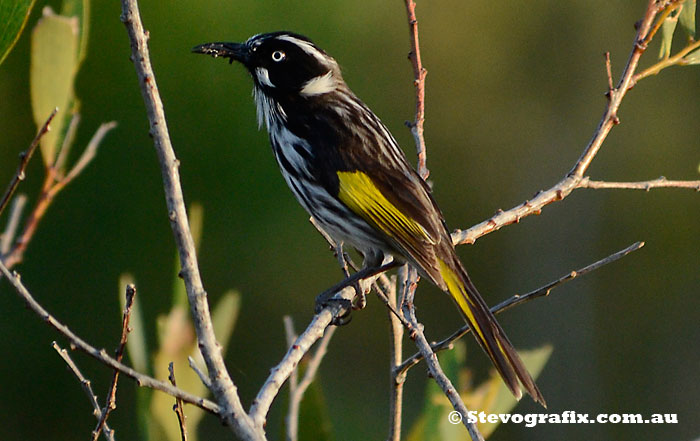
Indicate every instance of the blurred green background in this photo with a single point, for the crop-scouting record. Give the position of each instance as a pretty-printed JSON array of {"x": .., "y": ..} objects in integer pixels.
[{"x": 514, "y": 92}]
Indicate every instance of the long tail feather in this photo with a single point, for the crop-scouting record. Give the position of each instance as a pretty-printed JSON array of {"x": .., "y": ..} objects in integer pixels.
[{"x": 489, "y": 333}]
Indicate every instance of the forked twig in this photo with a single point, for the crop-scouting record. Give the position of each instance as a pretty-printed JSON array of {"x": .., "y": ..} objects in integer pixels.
[
  {"x": 107, "y": 433},
  {"x": 112, "y": 395},
  {"x": 100, "y": 354}
]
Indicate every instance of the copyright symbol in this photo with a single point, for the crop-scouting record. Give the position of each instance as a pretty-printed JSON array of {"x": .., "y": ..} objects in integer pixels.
[{"x": 454, "y": 417}]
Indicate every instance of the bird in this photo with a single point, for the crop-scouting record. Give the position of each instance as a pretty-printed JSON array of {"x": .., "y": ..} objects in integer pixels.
[{"x": 349, "y": 173}]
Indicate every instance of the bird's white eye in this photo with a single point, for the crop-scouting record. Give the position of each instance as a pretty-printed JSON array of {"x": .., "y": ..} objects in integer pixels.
[{"x": 278, "y": 56}]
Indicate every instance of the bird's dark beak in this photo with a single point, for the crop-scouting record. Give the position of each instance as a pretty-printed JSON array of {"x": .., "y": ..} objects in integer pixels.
[{"x": 232, "y": 51}]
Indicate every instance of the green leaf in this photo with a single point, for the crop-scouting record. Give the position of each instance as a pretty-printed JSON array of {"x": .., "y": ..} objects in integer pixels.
[
  {"x": 668, "y": 27},
  {"x": 80, "y": 9},
  {"x": 54, "y": 61},
  {"x": 693, "y": 57},
  {"x": 687, "y": 17},
  {"x": 492, "y": 396},
  {"x": 13, "y": 18},
  {"x": 503, "y": 400},
  {"x": 224, "y": 317},
  {"x": 314, "y": 420}
]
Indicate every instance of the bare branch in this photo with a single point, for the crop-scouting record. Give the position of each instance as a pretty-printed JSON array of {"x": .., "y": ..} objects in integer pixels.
[
  {"x": 280, "y": 373},
  {"x": 419, "y": 74},
  {"x": 12, "y": 223},
  {"x": 51, "y": 187},
  {"x": 67, "y": 143},
  {"x": 660, "y": 182},
  {"x": 111, "y": 403},
  {"x": 417, "y": 335},
  {"x": 298, "y": 388},
  {"x": 397, "y": 378},
  {"x": 202, "y": 376},
  {"x": 223, "y": 387},
  {"x": 100, "y": 354},
  {"x": 178, "y": 408},
  {"x": 573, "y": 179},
  {"x": 87, "y": 156},
  {"x": 107, "y": 433},
  {"x": 518, "y": 300},
  {"x": 24, "y": 158}
]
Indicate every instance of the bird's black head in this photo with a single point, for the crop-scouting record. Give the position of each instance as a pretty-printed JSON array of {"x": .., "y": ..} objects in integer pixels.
[{"x": 281, "y": 63}]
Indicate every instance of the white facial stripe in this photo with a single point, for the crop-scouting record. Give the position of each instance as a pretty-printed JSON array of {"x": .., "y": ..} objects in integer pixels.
[
  {"x": 306, "y": 47},
  {"x": 319, "y": 85},
  {"x": 263, "y": 76}
]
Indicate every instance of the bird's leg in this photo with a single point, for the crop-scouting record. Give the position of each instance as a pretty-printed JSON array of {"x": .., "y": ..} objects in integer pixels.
[{"x": 326, "y": 298}]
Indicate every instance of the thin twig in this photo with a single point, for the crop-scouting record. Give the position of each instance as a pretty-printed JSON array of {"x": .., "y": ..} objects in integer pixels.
[
  {"x": 107, "y": 433},
  {"x": 24, "y": 158},
  {"x": 292, "y": 418},
  {"x": 417, "y": 335},
  {"x": 677, "y": 59},
  {"x": 608, "y": 70},
  {"x": 397, "y": 379},
  {"x": 223, "y": 387},
  {"x": 119, "y": 354},
  {"x": 518, "y": 300},
  {"x": 67, "y": 143},
  {"x": 100, "y": 354},
  {"x": 419, "y": 74},
  {"x": 202, "y": 376},
  {"x": 12, "y": 223},
  {"x": 178, "y": 408},
  {"x": 280, "y": 373},
  {"x": 660, "y": 182},
  {"x": 52, "y": 185},
  {"x": 573, "y": 179},
  {"x": 298, "y": 388},
  {"x": 87, "y": 156}
]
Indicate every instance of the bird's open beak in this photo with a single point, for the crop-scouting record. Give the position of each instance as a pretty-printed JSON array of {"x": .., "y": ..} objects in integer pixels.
[{"x": 232, "y": 51}]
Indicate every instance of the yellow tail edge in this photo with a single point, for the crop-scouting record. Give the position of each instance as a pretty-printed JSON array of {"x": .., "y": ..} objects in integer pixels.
[{"x": 490, "y": 335}]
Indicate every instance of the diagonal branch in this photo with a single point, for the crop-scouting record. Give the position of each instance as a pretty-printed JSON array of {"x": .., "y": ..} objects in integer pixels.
[
  {"x": 107, "y": 433},
  {"x": 24, "y": 158},
  {"x": 112, "y": 395},
  {"x": 573, "y": 179},
  {"x": 417, "y": 335},
  {"x": 100, "y": 354},
  {"x": 419, "y": 73},
  {"x": 518, "y": 300},
  {"x": 660, "y": 182},
  {"x": 223, "y": 387}
]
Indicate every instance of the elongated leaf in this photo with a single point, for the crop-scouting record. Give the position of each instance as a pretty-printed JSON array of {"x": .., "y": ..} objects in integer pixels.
[
  {"x": 502, "y": 400},
  {"x": 13, "y": 17},
  {"x": 438, "y": 421},
  {"x": 687, "y": 17},
  {"x": 81, "y": 10},
  {"x": 693, "y": 57},
  {"x": 668, "y": 27},
  {"x": 314, "y": 420},
  {"x": 53, "y": 67}
]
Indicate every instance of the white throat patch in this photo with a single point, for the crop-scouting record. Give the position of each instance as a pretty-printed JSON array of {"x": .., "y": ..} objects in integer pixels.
[
  {"x": 263, "y": 76},
  {"x": 319, "y": 85}
]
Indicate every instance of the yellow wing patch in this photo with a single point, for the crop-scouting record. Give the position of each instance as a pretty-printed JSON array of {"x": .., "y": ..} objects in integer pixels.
[{"x": 358, "y": 192}]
